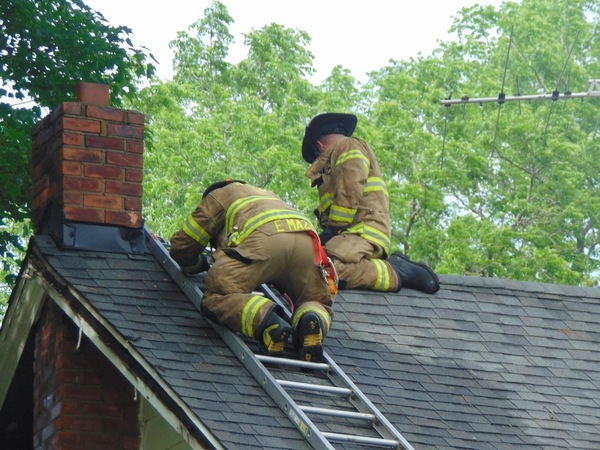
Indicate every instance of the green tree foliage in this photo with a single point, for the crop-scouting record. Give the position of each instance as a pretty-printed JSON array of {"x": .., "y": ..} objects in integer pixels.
[
  {"x": 46, "y": 47},
  {"x": 513, "y": 190},
  {"x": 217, "y": 120},
  {"x": 505, "y": 190}
]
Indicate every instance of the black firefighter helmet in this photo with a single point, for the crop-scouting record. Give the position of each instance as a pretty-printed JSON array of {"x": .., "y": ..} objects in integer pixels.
[
  {"x": 219, "y": 185},
  {"x": 322, "y": 125}
]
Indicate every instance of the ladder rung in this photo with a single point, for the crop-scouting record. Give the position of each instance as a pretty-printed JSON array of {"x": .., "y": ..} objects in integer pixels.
[
  {"x": 337, "y": 413},
  {"x": 292, "y": 362},
  {"x": 362, "y": 440},
  {"x": 314, "y": 387}
]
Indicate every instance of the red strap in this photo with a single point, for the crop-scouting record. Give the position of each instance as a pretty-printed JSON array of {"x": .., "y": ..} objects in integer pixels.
[{"x": 323, "y": 261}]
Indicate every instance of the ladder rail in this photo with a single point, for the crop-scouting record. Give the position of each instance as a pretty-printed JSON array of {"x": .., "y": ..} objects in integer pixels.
[
  {"x": 275, "y": 388},
  {"x": 358, "y": 398},
  {"x": 283, "y": 400}
]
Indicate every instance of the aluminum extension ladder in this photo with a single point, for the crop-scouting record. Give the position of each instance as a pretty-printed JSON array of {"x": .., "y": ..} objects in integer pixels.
[{"x": 288, "y": 381}]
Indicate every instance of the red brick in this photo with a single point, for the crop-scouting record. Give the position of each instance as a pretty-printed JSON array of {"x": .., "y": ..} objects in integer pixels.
[
  {"x": 41, "y": 198},
  {"x": 71, "y": 407},
  {"x": 72, "y": 139},
  {"x": 71, "y": 168},
  {"x": 80, "y": 393},
  {"x": 73, "y": 198},
  {"x": 104, "y": 142},
  {"x": 93, "y": 93},
  {"x": 70, "y": 438},
  {"x": 79, "y": 423},
  {"x": 82, "y": 155},
  {"x": 81, "y": 125},
  {"x": 119, "y": 187},
  {"x": 102, "y": 171},
  {"x": 124, "y": 159},
  {"x": 40, "y": 185},
  {"x": 84, "y": 214},
  {"x": 108, "y": 438},
  {"x": 42, "y": 135},
  {"x": 81, "y": 183},
  {"x": 104, "y": 409},
  {"x": 103, "y": 201},
  {"x": 72, "y": 108},
  {"x": 134, "y": 145},
  {"x": 131, "y": 442},
  {"x": 102, "y": 112},
  {"x": 135, "y": 117},
  {"x": 126, "y": 131},
  {"x": 132, "y": 204},
  {"x": 134, "y": 175},
  {"x": 130, "y": 219}
]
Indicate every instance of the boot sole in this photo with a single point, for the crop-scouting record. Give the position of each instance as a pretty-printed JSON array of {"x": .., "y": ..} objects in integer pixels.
[
  {"x": 311, "y": 349},
  {"x": 275, "y": 348}
]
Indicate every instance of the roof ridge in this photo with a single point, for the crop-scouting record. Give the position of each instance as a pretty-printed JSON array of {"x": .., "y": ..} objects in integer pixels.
[{"x": 517, "y": 285}]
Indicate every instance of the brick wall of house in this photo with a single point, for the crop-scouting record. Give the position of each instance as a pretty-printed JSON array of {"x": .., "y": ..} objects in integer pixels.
[
  {"x": 87, "y": 159},
  {"x": 80, "y": 400}
]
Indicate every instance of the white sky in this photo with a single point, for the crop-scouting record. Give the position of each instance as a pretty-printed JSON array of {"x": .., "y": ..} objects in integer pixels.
[{"x": 360, "y": 35}]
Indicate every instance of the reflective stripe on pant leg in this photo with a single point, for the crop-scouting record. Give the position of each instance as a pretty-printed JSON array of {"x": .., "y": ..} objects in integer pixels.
[
  {"x": 383, "y": 275},
  {"x": 251, "y": 309}
]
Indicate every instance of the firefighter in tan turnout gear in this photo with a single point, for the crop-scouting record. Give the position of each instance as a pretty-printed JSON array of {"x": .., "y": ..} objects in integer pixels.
[
  {"x": 258, "y": 238},
  {"x": 353, "y": 210}
]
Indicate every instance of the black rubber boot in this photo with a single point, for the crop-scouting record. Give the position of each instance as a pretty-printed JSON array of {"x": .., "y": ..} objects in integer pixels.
[
  {"x": 275, "y": 334},
  {"x": 308, "y": 338},
  {"x": 414, "y": 275}
]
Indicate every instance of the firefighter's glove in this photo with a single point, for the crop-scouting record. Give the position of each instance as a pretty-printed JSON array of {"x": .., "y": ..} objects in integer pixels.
[
  {"x": 202, "y": 265},
  {"x": 329, "y": 232}
]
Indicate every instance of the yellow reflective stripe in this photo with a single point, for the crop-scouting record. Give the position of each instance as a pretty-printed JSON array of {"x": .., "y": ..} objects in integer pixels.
[
  {"x": 341, "y": 214},
  {"x": 265, "y": 217},
  {"x": 383, "y": 275},
  {"x": 250, "y": 311},
  {"x": 239, "y": 204},
  {"x": 371, "y": 234},
  {"x": 352, "y": 154},
  {"x": 376, "y": 236},
  {"x": 196, "y": 232},
  {"x": 325, "y": 318},
  {"x": 326, "y": 201},
  {"x": 375, "y": 184}
]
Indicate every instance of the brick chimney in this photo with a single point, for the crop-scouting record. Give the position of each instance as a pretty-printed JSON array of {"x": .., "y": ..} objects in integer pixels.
[
  {"x": 87, "y": 174},
  {"x": 80, "y": 399}
]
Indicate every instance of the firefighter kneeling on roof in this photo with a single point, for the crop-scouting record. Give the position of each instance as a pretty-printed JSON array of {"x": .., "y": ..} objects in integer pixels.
[{"x": 258, "y": 238}]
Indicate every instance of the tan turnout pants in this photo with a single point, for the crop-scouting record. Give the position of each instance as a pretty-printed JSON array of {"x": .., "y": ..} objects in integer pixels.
[
  {"x": 359, "y": 264},
  {"x": 284, "y": 259}
]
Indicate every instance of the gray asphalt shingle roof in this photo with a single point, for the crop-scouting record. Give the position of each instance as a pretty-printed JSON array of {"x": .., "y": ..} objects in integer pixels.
[
  {"x": 141, "y": 301},
  {"x": 484, "y": 363}
]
